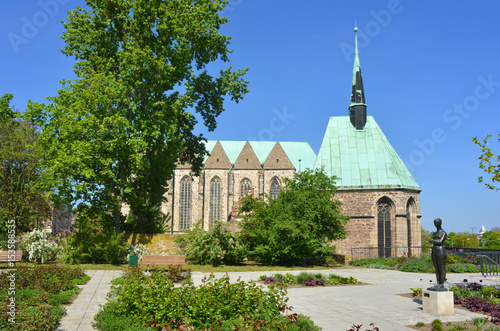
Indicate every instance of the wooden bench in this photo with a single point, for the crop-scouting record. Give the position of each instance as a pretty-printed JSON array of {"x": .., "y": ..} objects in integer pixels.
[
  {"x": 163, "y": 260},
  {"x": 16, "y": 257}
]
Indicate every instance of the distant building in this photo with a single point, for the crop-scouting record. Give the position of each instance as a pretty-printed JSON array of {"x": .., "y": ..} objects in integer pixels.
[
  {"x": 481, "y": 232},
  {"x": 377, "y": 190}
]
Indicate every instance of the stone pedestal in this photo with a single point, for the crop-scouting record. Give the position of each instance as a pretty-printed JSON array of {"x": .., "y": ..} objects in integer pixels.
[{"x": 438, "y": 302}]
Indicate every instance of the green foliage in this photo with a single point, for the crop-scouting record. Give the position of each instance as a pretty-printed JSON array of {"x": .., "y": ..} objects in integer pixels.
[
  {"x": 479, "y": 322},
  {"x": 216, "y": 246},
  {"x": 425, "y": 236},
  {"x": 420, "y": 324},
  {"x": 91, "y": 244},
  {"x": 417, "y": 265},
  {"x": 437, "y": 325},
  {"x": 115, "y": 133},
  {"x": 489, "y": 162},
  {"x": 154, "y": 299},
  {"x": 457, "y": 328},
  {"x": 22, "y": 195},
  {"x": 465, "y": 239},
  {"x": 108, "y": 321},
  {"x": 491, "y": 239},
  {"x": 38, "y": 248},
  {"x": 296, "y": 226},
  {"x": 40, "y": 290},
  {"x": 463, "y": 268},
  {"x": 448, "y": 242},
  {"x": 417, "y": 291}
]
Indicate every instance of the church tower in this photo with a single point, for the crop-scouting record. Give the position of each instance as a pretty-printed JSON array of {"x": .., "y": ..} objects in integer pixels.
[{"x": 376, "y": 188}]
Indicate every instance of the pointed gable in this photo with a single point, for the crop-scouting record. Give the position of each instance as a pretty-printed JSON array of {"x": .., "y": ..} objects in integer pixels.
[
  {"x": 247, "y": 160},
  {"x": 278, "y": 160},
  {"x": 218, "y": 158}
]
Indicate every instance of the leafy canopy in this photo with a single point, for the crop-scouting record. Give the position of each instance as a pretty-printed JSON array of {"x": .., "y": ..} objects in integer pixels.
[
  {"x": 489, "y": 162},
  {"x": 491, "y": 239},
  {"x": 298, "y": 224},
  {"x": 115, "y": 133},
  {"x": 22, "y": 196}
]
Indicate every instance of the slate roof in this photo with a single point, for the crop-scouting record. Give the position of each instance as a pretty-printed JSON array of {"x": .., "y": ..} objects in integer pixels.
[
  {"x": 294, "y": 150},
  {"x": 362, "y": 159}
]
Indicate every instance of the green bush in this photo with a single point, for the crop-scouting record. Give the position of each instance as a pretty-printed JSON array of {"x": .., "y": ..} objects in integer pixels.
[
  {"x": 298, "y": 226},
  {"x": 463, "y": 268},
  {"x": 417, "y": 265},
  {"x": 108, "y": 321},
  {"x": 38, "y": 248},
  {"x": 40, "y": 290},
  {"x": 154, "y": 299},
  {"x": 216, "y": 246},
  {"x": 437, "y": 325},
  {"x": 93, "y": 245}
]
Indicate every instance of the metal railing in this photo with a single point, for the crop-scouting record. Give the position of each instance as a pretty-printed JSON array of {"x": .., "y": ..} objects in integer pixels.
[
  {"x": 418, "y": 251},
  {"x": 490, "y": 263}
]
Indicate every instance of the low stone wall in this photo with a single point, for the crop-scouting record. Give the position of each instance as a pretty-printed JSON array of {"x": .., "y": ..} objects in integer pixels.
[{"x": 157, "y": 243}]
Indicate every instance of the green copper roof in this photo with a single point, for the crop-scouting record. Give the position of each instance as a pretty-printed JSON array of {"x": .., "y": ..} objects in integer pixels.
[
  {"x": 299, "y": 151},
  {"x": 362, "y": 159},
  {"x": 294, "y": 150}
]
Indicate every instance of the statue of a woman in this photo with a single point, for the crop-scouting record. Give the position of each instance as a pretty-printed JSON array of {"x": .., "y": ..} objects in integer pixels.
[{"x": 439, "y": 256}]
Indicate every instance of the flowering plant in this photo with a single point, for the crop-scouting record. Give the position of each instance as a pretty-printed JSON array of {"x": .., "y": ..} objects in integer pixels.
[
  {"x": 138, "y": 250},
  {"x": 39, "y": 249}
]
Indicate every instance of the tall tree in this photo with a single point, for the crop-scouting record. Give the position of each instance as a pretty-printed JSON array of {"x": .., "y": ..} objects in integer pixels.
[
  {"x": 489, "y": 162},
  {"x": 115, "y": 133},
  {"x": 22, "y": 197},
  {"x": 298, "y": 224}
]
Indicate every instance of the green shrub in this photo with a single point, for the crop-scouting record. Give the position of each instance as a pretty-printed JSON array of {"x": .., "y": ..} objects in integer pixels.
[
  {"x": 108, "y": 321},
  {"x": 38, "y": 248},
  {"x": 416, "y": 265},
  {"x": 463, "y": 268},
  {"x": 437, "y": 325},
  {"x": 216, "y": 246},
  {"x": 372, "y": 261},
  {"x": 278, "y": 323},
  {"x": 155, "y": 299},
  {"x": 90, "y": 244},
  {"x": 40, "y": 290},
  {"x": 417, "y": 291},
  {"x": 298, "y": 226}
]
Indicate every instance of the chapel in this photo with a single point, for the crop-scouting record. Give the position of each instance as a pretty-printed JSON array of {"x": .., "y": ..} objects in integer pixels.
[{"x": 375, "y": 187}]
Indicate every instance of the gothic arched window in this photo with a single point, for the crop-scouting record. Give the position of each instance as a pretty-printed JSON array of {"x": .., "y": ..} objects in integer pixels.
[
  {"x": 384, "y": 227},
  {"x": 185, "y": 212},
  {"x": 245, "y": 184},
  {"x": 215, "y": 199},
  {"x": 409, "y": 214},
  {"x": 275, "y": 188}
]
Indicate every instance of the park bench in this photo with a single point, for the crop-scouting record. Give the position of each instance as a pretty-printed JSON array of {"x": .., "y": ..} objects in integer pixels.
[
  {"x": 163, "y": 260},
  {"x": 4, "y": 256}
]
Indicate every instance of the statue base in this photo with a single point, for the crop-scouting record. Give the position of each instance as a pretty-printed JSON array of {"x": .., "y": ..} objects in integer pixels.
[{"x": 438, "y": 302}]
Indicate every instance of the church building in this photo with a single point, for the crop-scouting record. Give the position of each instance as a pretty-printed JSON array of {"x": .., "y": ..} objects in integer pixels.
[{"x": 375, "y": 187}]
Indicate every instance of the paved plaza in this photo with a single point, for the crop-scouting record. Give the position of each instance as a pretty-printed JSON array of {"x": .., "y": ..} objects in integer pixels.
[{"x": 332, "y": 308}]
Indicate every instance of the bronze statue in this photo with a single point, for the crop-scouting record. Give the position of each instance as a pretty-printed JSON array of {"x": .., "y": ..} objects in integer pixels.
[{"x": 439, "y": 256}]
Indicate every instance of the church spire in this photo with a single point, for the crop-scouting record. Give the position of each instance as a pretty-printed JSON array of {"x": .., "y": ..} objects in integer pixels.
[{"x": 357, "y": 107}]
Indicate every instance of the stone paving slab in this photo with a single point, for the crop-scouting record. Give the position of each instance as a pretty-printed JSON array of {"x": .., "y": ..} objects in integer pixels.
[{"x": 332, "y": 308}]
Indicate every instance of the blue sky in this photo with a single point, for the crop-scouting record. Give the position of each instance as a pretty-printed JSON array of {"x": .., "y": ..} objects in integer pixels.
[{"x": 430, "y": 69}]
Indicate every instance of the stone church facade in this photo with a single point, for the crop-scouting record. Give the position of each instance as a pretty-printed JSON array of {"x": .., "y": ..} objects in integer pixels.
[{"x": 375, "y": 187}]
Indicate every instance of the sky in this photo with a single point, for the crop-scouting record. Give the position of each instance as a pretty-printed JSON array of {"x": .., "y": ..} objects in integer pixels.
[{"x": 430, "y": 69}]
